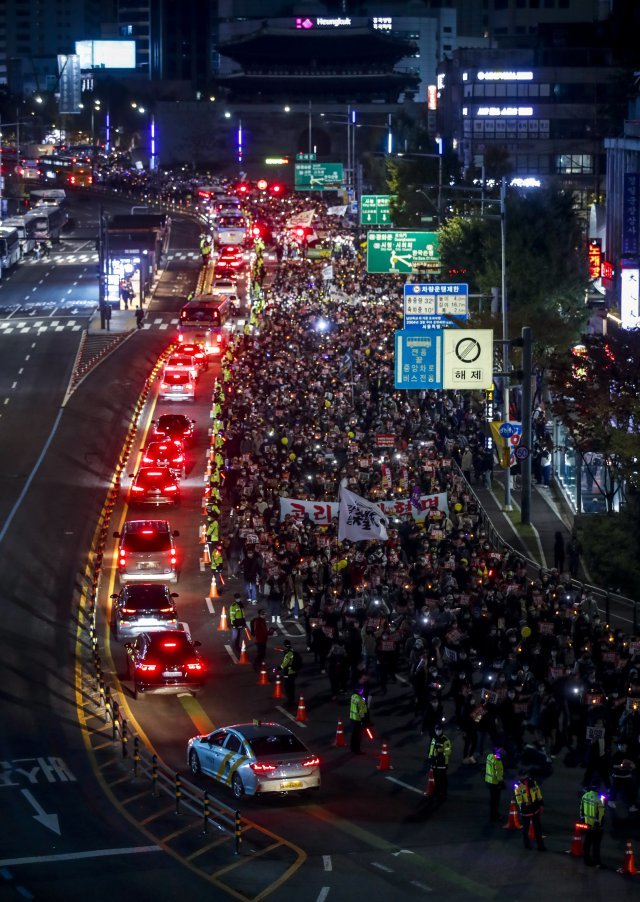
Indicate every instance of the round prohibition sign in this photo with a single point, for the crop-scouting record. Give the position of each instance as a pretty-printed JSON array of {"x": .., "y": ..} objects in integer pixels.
[
  {"x": 468, "y": 350},
  {"x": 521, "y": 452}
]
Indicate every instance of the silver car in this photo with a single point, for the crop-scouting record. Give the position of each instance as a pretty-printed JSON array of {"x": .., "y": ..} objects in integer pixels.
[
  {"x": 143, "y": 607},
  {"x": 254, "y": 759},
  {"x": 147, "y": 552}
]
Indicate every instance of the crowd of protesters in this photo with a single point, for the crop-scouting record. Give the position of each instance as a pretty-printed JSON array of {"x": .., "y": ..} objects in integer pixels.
[{"x": 525, "y": 664}]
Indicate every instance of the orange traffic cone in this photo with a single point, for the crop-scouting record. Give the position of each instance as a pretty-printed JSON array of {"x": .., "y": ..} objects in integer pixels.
[
  {"x": 244, "y": 658},
  {"x": 263, "y": 679},
  {"x": 203, "y": 534},
  {"x": 629, "y": 866},
  {"x": 385, "y": 758},
  {"x": 340, "y": 740},
  {"x": 532, "y": 833},
  {"x": 206, "y": 557},
  {"x": 431, "y": 785},
  {"x": 513, "y": 822},
  {"x": 301, "y": 714},
  {"x": 576, "y": 850},
  {"x": 277, "y": 688},
  {"x": 213, "y": 591},
  {"x": 222, "y": 626}
]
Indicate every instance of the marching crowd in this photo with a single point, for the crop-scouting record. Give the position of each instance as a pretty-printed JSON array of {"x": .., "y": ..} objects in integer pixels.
[{"x": 524, "y": 668}]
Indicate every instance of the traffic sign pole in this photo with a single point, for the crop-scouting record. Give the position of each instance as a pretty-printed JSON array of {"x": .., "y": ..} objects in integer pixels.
[{"x": 525, "y": 466}]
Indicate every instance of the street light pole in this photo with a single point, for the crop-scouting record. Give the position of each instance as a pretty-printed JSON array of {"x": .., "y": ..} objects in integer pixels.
[{"x": 506, "y": 365}]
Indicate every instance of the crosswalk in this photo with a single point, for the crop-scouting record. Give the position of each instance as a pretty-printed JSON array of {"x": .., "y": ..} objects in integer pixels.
[
  {"x": 62, "y": 257},
  {"x": 60, "y": 323}
]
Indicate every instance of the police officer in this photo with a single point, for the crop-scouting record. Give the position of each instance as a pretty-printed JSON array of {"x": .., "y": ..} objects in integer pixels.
[
  {"x": 238, "y": 621},
  {"x": 439, "y": 754},
  {"x": 494, "y": 778},
  {"x": 289, "y": 671},
  {"x": 592, "y": 814},
  {"x": 359, "y": 716},
  {"x": 529, "y": 801}
]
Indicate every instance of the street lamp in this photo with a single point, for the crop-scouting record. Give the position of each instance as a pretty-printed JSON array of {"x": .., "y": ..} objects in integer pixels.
[
  {"x": 239, "y": 138},
  {"x": 153, "y": 163}
]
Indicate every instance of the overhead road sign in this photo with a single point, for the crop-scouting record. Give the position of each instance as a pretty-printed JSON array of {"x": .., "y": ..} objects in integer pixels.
[
  {"x": 429, "y": 305},
  {"x": 418, "y": 359},
  {"x": 467, "y": 358},
  {"x": 318, "y": 176},
  {"x": 375, "y": 209},
  {"x": 306, "y": 157},
  {"x": 402, "y": 252}
]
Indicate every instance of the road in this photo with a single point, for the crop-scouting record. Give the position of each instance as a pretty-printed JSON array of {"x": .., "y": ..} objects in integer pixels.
[{"x": 79, "y": 820}]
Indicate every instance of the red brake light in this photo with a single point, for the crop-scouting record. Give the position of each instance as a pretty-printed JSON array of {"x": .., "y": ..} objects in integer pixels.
[
  {"x": 128, "y": 610},
  {"x": 171, "y": 488},
  {"x": 147, "y": 460},
  {"x": 259, "y": 768},
  {"x": 137, "y": 488},
  {"x": 168, "y": 644},
  {"x": 166, "y": 610},
  {"x": 314, "y": 761},
  {"x": 148, "y": 532},
  {"x": 147, "y": 668},
  {"x": 195, "y": 665}
]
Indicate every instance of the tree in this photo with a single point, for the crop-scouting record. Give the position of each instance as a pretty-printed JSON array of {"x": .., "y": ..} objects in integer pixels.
[{"x": 597, "y": 396}]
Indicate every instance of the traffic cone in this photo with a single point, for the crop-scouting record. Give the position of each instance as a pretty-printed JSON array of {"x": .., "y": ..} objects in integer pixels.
[
  {"x": 431, "y": 785},
  {"x": 532, "y": 832},
  {"x": 222, "y": 626},
  {"x": 340, "y": 741},
  {"x": 513, "y": 822},
  {"x": 202, "y": 532},
  {"x": 301, "y": 714},
  {"x": 213, "y": 591},
  {"x": 206, "y": 557},
  {"x": 263, "y": 679},
  {"x": 629, "y": 866},
  {"x": 577, "y": 850},
  {"x": 277, "y": 688},
  {"x": 244, "y": 658},
  {"x": 385, "y": 758}
]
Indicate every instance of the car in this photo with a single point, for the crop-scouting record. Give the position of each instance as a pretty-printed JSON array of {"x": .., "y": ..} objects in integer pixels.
[
  {"x": 231, "y": 257},
  {"x": 166, "y": 454},
  {"x": 180, "y": 362},
  {"x": 255, "y": 759},
  {"x": 147, "y": 552},
  {"x": 164, "y": 661},
  {"x": 197, "y": 351},
  {"x": 142, "y": 607},
  {"x": 154, "y": 485},
  {"x": 177, "y": 386},
  {"x": 173, "y": 427}
]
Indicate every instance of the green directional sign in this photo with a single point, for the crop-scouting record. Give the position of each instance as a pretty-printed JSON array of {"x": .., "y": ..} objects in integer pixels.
[
  {"x": 306, "y": 157},
  {"x": 403, "y": 252},
  {"x": 318, "y": 176},
  {"x": 375, "y": 209}
]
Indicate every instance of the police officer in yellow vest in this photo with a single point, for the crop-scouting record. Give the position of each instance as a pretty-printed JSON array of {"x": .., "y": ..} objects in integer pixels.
[
  {"x": 529, "y": 801},
  {"x": 237, "y": 621},
  {"x": 359, "y": 716},
  {"x": 439, "y": 754},
  {"x": 592, "y": 814},
  {"x": 494, "y": 778}
]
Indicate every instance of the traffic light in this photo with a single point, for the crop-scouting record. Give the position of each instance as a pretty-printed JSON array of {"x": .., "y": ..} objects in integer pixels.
[
  {"x": 242, "y": 188},
  {"x": 262, "y": 184},
  {"x": 276, "y": 189}
]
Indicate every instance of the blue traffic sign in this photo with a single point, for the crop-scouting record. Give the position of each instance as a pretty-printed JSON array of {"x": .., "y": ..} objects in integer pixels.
[
  {"x": 418, "y": 359},
  {"x": 431, "y": 305},
  {"x": 507, "y": 430}
]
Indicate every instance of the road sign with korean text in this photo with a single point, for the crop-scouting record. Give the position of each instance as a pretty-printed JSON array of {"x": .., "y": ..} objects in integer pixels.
[
  {"x": 403, "y": 252},
  {"x": 467, "y": 358},
  {"x": 428, "y": 305},
  {"x": 375, "y": 209},
  {"x": 318, "y": 176},
  {"x": 418, "y": 359}
]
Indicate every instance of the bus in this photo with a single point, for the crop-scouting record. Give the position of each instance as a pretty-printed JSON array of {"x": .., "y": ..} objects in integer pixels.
[
  {"x": 26, "y": 232},
  {"x": 9, "y": 247},
  {"x": 231, "y": 228},
  {"x": 71, "y": 171},
  {"x": 49, "y": 221},
  {"x": 203, "y": 320}
]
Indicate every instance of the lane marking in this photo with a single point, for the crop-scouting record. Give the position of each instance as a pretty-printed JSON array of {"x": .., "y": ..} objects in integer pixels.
[
  {"x": 288, "y": 714},
  {"x": 427, "y": 889},
  {"x": 76, "y": 856},
  {"x": 327, "y": 863},
  {"x": 381, "y": 867},
  {"x": 404, "y": 785},
  {"x": 322, "y": 895},
  {"x": 13, "y": 385},
  {"x": 196, "y": 712},
  {"x": 209, "y": 604}
]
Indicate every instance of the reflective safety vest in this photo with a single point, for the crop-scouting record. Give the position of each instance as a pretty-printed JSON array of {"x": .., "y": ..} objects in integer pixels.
[
  {"x": 213, "y": 531},
  {"x": 592, "y": 809},
  {"x": 528, "y": 797},
  {"x": 236, "y": 612},
  {"x": 440, "y": 751},
  {"x": 494, "y": 771},
  {"x": 216, "y": 560},
  {"x": 358, "y": 708}
]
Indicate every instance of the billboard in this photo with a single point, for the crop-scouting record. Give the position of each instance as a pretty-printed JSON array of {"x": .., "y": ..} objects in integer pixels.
[
  {"x": 70, "y": 83},
  {"x": 106, "y": 54}
]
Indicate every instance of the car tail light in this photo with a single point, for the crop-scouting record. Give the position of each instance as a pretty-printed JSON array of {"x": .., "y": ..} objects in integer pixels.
[
  {"x": 147, "y": 532},
  {"x": 147, "y": 460},
  {"x": 170, "y": 488},
  {"x": 128, "y": 611},
  {"x": 194, "y": 665},
  {"x": 147, "y": 668},
  {"x": 178, "y": 459},
  {"x": 166, "y": 610},
  {"x": 173, "y": 559},
  {"x": 258, "y": 768},
  {"x": 314, "y": 761},
  {"x": 137, "y": 488}
]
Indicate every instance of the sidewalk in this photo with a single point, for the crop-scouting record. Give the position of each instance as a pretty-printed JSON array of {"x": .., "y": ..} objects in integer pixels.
[
  {"x": 547, "y": 517},
  {"x": 121, "y": 321}
]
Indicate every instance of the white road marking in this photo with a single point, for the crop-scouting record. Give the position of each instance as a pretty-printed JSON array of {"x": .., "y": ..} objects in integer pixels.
[
  {"x": 427, "y": 889},
  {"x": 21, "y": 371},
  {"x": 231, "y": 654},
  {"x": 6, "y": 400},
  {"x": 324, "y": 892},
  {"x": 381, "y": 867},
  {"x": 288, "y": 714},
  {"x": 404, "y": 785},
  {"x": 326, "y": 861},
  {"x": 209, "y": 604},
  {"x": 75, "y": 856},
  {"x": 13, "y": 385}
]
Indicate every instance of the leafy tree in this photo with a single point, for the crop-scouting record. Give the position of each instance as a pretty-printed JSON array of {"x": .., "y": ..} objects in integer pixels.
[
  {"x": 597, "y": 396},
  {"x": 611, "y": 547}
]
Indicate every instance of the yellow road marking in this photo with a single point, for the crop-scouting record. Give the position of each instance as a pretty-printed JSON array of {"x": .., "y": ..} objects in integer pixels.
[{"x": 198, "y": 715}]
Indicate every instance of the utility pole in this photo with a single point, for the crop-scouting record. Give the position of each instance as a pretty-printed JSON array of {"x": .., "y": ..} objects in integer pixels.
[
  {"x": 506, "y": 365},
  {"x": 525, "y": 501}
]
